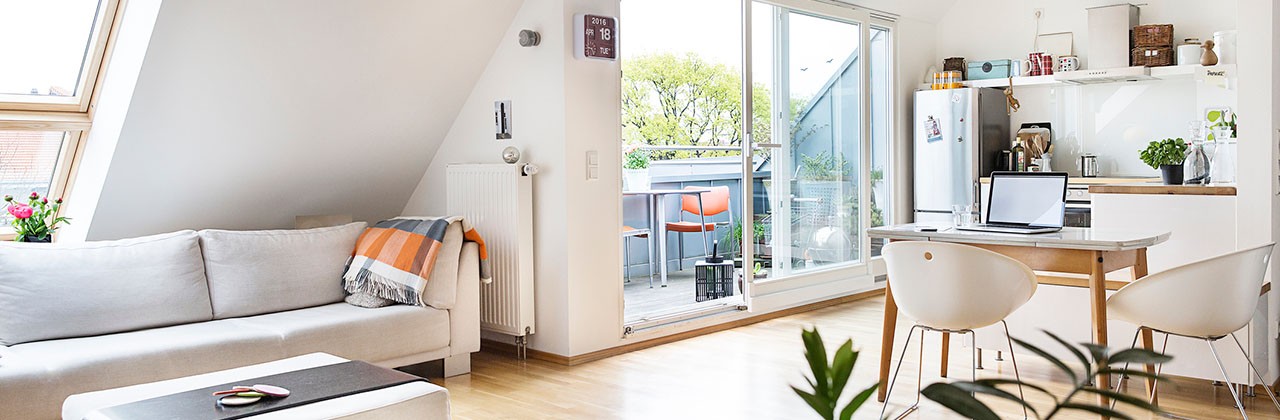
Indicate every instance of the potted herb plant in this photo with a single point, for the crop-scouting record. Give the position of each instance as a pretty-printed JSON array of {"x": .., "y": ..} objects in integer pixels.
[
  {"x": 36, "y": 219},
  {"x": 1166, "y": 155},
  {"x": 635, "y": 170}
]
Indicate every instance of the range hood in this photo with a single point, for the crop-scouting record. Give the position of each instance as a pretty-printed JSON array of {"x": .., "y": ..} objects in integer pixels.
[{"x": 1089, "y": 77}]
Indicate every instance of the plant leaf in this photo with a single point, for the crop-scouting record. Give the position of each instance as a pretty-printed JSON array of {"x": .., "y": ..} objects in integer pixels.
[
  {"x": 842, "y": 367},
  {"x": 1050, "y": 358},
  {"x": 1096, "y": 410},
  {"x": 959, "y": 401},
  {"x": 1084, "y": 361},
  {"x": 818, "y": 403},
  {"x": 993, "y": 391},
  {"x": 1098, "y": 352},
  {"x": 1124, "y": 398},
  {"x": 861, "y": 398},
  {"x": 1138, "y": 355},
  {"x": 1131, "y": 372},
  {"x": 994, "y": 382},
  {"x": 816, "y": 352}
]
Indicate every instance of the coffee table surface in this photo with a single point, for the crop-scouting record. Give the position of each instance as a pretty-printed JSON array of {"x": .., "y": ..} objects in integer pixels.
[{"x": 87, "y": 405}]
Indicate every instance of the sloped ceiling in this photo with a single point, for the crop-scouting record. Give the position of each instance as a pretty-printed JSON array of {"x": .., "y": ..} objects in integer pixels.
[
  {"x": 926, "y": 10},
  {"x": 247, "y": 113}
]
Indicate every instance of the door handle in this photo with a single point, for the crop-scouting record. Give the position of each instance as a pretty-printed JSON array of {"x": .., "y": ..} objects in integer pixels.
[{"x": 759, "y": 146}]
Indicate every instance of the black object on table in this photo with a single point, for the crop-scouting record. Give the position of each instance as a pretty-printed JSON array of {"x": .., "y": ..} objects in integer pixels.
[{"x": 306, "y": 386}]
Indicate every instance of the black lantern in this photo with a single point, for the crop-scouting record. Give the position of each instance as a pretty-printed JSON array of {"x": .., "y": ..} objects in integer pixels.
[{"x": 713, "y": 277}]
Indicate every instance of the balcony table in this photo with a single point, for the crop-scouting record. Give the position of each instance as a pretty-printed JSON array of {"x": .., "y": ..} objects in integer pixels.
[
  {"x": 657, "y": 220},
  {"x": 1072, "y": 250}
]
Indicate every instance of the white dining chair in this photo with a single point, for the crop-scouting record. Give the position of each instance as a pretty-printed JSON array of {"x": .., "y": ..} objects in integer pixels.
[
  {"x": 1206, "y": 300},
  {"x": 953, "y": 288}
]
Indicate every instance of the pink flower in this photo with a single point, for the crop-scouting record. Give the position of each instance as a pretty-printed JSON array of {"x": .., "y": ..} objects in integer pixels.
[
  {"x": 21, "y": 211},
  {"x": 34, "y": 195}
]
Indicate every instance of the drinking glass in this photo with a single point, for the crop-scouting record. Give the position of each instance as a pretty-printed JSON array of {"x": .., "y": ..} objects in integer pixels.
[{"x": 962, "y": 214}]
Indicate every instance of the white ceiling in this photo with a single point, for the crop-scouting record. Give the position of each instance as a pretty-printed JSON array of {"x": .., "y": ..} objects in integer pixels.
[
  {"x": 926, "y": 10},
  {"x": 247, "y": 112}
]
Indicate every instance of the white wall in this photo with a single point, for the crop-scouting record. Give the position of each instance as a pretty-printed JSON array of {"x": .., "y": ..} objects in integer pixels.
[
  {"x": 1112, "y": 121},
  {"x": 561, "y": 107},
  {"x": 248, "y": 113}
]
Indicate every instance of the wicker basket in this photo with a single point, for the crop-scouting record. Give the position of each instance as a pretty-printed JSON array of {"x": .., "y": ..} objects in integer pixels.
[
  {"x": 1153, "y": 36},
  {"x": 1152, "y": 56},
  {"x": 955, "y": 64}
]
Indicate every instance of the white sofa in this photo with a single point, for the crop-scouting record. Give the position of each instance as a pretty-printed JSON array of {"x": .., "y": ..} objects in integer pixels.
[{"x": 83, "y": 317}]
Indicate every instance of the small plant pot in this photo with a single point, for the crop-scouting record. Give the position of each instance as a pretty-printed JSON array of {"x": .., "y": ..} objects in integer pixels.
[
  {"x": 29, "y": 238},
  {"x": 635, "y": 179},
  {"x": 1171, "y": 174}
]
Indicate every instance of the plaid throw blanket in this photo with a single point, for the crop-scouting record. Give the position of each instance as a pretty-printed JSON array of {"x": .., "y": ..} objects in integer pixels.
[{"x": 393, "y": 259}]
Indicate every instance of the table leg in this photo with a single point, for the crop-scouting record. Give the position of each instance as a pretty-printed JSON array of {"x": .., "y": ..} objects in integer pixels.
[
  {"x": 1098, "y": 302},
  {"x": 660, "y": 218},
  {"x": 1140, "y": 271},
  {"x": 886, "y": 340},
  {"x": 946, "y": 351}
]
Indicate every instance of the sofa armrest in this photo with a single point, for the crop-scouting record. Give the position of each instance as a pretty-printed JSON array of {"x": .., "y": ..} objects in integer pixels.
[{"x": 464, "y": 318}]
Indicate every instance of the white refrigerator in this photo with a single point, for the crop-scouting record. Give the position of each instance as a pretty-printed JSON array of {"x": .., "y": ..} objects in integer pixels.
[{"x": 959, "y": 134}]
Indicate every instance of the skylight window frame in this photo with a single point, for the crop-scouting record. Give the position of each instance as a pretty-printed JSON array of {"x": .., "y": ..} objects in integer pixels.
[{"x": 70, "y": 114}]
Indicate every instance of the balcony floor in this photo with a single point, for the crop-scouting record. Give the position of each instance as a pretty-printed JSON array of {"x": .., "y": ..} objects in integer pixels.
[{"x": 644, "y": 302}]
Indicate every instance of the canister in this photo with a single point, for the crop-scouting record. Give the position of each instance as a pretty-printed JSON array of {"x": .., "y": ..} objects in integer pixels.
[{"x": 1189, "y": 52}]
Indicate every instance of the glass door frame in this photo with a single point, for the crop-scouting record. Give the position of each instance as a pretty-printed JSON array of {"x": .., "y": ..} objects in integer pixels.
[{"x": 865, "y": 22}]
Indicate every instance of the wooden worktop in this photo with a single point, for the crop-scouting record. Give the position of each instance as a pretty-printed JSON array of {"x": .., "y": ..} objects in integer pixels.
[
  {"x": 1160, "y": 189},
  {"x": 1096, "y": 181}
]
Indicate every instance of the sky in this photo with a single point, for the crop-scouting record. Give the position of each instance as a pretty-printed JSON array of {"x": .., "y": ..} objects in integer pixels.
[
  {"x": 42, "y": 43},
  {"x": 712, "y": 29}
]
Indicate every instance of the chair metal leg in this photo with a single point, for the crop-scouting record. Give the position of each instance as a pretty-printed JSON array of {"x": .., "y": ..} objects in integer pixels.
[
  {"x": 1234, "y": 395},
  {"x": 1123, "y": 378},
  {"x": 702, "y": 227},
  {"x": 626, "y": 258},
  {"x": 648, "y": 240},
  {"x": 979, "y": 361},
  {"x": 1261, "y": 380},
  {"x": 680, "y": 251},
  {"x": 1014, "y": 356},
  {"x": 897, "y": 370}
]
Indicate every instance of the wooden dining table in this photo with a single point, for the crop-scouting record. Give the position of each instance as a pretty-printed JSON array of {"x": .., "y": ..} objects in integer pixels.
[{"x": 1092, "y": 252}]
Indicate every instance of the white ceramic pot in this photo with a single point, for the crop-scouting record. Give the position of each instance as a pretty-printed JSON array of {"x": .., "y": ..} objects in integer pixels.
[{"x": 635, "y": 179}]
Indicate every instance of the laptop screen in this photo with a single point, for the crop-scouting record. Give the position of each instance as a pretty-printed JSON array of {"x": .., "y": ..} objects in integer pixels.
[{"x": 1027, "y": 198}]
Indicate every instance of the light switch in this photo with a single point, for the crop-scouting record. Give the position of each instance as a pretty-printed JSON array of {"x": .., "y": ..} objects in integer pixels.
[{"x": 593, "y": 165}]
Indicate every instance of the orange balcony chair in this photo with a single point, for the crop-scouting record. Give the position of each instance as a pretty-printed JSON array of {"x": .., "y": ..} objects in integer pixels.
[{"x": 703, "y": 205}]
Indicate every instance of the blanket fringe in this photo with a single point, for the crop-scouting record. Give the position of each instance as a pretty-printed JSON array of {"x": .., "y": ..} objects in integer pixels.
[{"x": 366, "y": 281}]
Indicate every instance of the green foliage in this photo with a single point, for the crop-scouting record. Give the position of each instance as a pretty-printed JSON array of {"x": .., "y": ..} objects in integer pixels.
[
  {"x": 733, "y": 240},
  {"x": 1164, "y": 152},
  {"x": 671, "y": 100},
  {"x": 636, "y": 159},
  {"x": 823, "y": 167},
  {"x": 960, "y": 397},
  {"x": 37, "y": 218},
  {"x": 829, "y": 380}
]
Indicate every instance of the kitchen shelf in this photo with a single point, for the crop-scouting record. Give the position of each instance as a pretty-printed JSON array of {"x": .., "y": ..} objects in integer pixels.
[{"x": 1157, "y": 73}]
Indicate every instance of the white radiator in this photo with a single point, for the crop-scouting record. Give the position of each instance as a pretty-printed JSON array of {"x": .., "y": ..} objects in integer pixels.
[{"x": 498, "y": 199}]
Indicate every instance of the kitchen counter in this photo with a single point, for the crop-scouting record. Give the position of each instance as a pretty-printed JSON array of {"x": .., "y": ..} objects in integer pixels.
[
  {"x": 1097, "y": 180},
  {"x": 1161, "y": 189}
]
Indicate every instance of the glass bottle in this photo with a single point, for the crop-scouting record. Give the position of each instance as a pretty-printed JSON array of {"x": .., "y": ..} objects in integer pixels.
[
  {"x": 1223, "y": 163},
  {"x": 1195, "y": 168},
  {"x": 1019, "y": 157}
]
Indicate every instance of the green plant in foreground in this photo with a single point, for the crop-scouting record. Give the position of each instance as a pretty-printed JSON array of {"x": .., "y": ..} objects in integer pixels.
[
  {"x": 1164, "y": 152},
  {"x": 960, "y": 396},
  {"x": 829, "y": 380},
  {"x": 636, "y": 159}
]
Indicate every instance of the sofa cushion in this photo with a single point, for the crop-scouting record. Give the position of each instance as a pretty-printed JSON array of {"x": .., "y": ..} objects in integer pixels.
[
  {"x": 37, "y": 377},
  {"x": 50, "y": 291},
  {"x": 370, "y": 334},
  {"x": 263, "y": 271}
]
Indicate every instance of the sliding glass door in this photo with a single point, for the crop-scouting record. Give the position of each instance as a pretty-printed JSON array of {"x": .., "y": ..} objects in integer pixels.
[{"x": 772, "y": 99}]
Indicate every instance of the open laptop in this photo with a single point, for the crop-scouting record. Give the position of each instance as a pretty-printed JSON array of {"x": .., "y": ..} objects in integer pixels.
[{"x": 1025, "y": 202}]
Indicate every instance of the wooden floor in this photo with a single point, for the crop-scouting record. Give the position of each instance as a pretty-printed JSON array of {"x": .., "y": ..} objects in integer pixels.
[{"x": 744, "y": 373}]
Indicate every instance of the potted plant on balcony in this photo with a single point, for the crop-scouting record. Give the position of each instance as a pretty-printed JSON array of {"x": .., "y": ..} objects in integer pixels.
[
  {"x": 635, "y": 169},
  {"x": 1166, "y": 155},
  {"x": 35, "y": 220}
]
